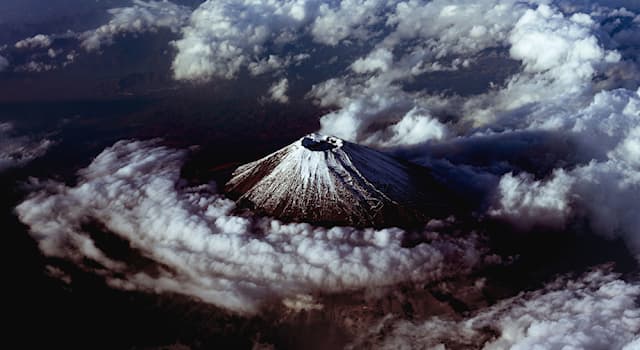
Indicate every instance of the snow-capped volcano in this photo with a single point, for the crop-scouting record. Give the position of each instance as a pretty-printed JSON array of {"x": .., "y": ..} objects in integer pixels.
[{"x": 323, "y": 179}]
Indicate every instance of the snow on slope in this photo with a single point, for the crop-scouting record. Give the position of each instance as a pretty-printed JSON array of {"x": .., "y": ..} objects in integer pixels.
[{"x": 324, "y": 179}]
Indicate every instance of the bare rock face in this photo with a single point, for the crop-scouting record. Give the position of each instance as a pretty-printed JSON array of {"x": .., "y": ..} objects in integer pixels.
[{"x": 326, "y": 180}]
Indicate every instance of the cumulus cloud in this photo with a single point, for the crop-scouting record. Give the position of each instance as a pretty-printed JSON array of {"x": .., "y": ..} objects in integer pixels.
[
  {"x": 350, "y": 19},
  {"x": 560, "y": 57},
  {"x": 527, "y": 201},
  {"x": 225, "y": 36},
  {"x": 604, "y": 190},
  {"x": 143, "y": 16},
  {"x": 278, "y": 91},
  {"x": 414, "y": 127},
  {"x": 596, "y": 311},
  {"x": 574, "y": 83},
  {"x": 34, "y": 42},
  {"x": 18, "y": 150},
  {"x": 201, "y": 248},
  {"x": 421, "y": 37}
]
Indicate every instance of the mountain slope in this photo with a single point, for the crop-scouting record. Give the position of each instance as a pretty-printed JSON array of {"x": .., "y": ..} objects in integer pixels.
[{"x": 323, "y": 179}]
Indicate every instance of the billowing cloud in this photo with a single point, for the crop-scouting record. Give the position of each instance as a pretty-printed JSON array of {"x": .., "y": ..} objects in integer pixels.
[
  {"x": 596, "y": 311},
  {"x": 603, "y": 190},
  {"x": 573, "y": 85},
  {"x": 349, "y": 19},
  {"x": 18, "y": 150},
  {"x": 143, "y": 16},
  {"x": 528, "y": 202},
  {"x": 224, "y": 36},
  {"x": 34, "y": 42},
  {"x": 560, "y": 56},
  {"x": 201, "y": 248}
]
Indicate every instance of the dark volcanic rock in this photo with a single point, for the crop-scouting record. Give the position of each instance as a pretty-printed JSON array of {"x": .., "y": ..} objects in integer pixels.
[{"x": 325, "y": 180}]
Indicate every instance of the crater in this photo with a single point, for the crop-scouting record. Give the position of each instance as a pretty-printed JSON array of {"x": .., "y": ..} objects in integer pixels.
[{"x": 320, "y": 143}]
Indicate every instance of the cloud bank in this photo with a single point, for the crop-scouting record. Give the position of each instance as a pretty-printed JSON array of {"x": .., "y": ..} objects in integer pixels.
[
  {"x": 602, "y": 191},
  {"x": 199, "y": 247},
  {"x": 596, "y": 311}
]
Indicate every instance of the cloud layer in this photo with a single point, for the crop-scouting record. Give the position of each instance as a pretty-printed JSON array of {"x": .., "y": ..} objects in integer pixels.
[
  {"x": 200, "y": 248},
  {"x": 602, "y": 191},
  {"x": 596, "y": 311}
]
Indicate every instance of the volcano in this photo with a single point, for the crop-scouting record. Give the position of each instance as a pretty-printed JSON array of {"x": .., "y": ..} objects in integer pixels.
[{"x": 325, "y": 180}]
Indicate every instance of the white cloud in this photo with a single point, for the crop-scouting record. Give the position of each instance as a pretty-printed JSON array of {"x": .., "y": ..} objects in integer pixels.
[
  {"x": 143, "y": 16},
  {"x": 460, "y": 27},
  {"x": 202, "y": 249},
  {"x": 423, "y": 36},
  {"x": 223, "y": 35},
  {"x": 415, "y": 127},
  {"x": 380, "y": 59},
  {"x": 278, "y": 91},
  {"x": 350, "y": 19},
  {"x": 18, "y": 150},
  {"x": 39, "y": 41},
  {"x": 605, "y": 189},
  {"x": 563, "y": 88},
  {"x": 596, "y": 311},
  {"x": 527, "y": 202}
]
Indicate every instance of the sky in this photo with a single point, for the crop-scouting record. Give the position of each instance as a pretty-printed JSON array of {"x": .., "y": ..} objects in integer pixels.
[{"x": 530, "y": 108}]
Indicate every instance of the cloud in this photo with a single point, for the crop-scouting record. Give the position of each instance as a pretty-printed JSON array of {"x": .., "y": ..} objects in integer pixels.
[
  {"x": 560, "y": 57},
  {"x": 16, "y": 151},
  {"x": 527, "y": 201},
  {"x": 278, "y": 91},
  {"x": 602, "y": 191},
  {"x": 201, "y": 248},
  {"x": 223, "y": 35},
  {"x": 415, "y": 127},
  {"x": 421, "y": 37},
  {"x": 52, "y": 51},
  {"x": 34, "y": 42},
  {"x": 574, "y": 86},
  {"x": 143, "y": 16},
  {"x": 598, "y": 310},
  {"x": 351, "y": 19}
]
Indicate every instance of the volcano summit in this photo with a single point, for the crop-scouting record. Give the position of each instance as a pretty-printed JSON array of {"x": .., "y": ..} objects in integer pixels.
[{"x": 326, "y": 180}]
